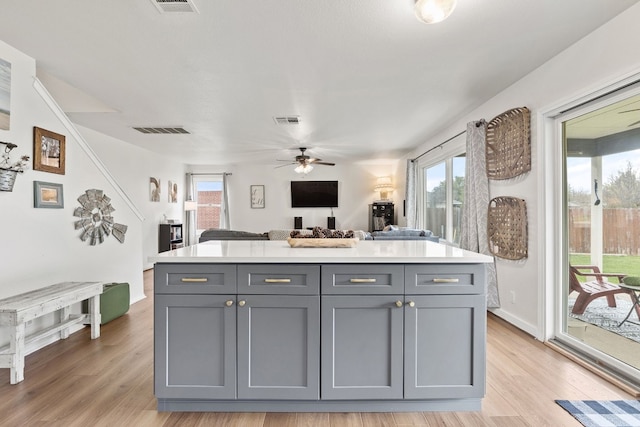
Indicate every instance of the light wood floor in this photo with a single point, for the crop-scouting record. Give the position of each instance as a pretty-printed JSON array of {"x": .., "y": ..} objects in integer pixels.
[{"x": 109, "y": 382}]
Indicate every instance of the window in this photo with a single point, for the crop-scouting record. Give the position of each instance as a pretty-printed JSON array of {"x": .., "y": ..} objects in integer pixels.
[
  {"x": 442, "y": 196},
  {"x": 209, "y": 196}
]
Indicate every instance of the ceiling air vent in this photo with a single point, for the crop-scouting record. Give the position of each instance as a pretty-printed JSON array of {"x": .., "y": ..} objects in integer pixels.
[
  {"x": 287, "y": 120},
  {"x": 177, "y": 130},
  {"x": 166, "y": 6}
]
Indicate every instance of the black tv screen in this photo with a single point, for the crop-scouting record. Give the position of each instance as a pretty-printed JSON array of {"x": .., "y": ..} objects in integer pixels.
[{"x": 314, "y": 194}]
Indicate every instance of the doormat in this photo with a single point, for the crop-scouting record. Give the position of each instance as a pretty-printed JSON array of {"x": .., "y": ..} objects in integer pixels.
[
  {"x": 598, "y": 313},
  {"x": 604, "y": 413}
]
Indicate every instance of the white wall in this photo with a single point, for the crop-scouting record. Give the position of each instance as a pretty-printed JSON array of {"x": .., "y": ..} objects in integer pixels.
[
  {"x": 133, "y": 166},
  {"x": 40, "y": 246},
  {"x": 355, "y": 188},
  {"x": 606, "y": 55}
]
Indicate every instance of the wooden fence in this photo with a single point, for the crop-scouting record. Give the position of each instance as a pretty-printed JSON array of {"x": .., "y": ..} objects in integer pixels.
[{"x": 621, "y": 233}]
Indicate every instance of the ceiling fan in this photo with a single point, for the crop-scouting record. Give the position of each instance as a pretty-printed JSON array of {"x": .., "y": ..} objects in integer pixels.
[
  {"x": 629, "y": 111},
  {"x": 305, "y": 163}
]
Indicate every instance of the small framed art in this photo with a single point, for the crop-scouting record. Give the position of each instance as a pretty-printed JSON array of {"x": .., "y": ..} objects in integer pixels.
[
  {"x": 257, "y": 197},
  {"x": 48, "y": 151},
  {"x": 47, "y": 195}
]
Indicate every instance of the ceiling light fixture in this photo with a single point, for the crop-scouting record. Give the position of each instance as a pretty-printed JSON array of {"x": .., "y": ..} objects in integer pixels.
[
  {"x": 434, "y": 11},
  {"x": 303, "y": 168}
]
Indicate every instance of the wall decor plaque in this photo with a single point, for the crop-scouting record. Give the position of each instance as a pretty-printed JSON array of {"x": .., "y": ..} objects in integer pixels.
[
  {"x": 96, "y": 222},
  {"x": 507, "y": 227},
  {"x": 508, "y": 144}
]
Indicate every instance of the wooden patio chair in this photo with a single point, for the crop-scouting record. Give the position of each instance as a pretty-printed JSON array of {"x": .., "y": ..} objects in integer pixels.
[{"x": 592, "y": 289}]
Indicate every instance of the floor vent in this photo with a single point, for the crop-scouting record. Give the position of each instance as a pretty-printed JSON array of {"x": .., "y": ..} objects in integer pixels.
[
  {"x": 287, "y": 120},
  {"x": 177, "y": 130},
  {"x": 167, "y": 6}
]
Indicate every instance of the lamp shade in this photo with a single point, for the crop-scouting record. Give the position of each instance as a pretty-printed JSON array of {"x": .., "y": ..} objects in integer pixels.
[
  {"x": 383, "y": 185},
  {"x": 306, "y": 168},
  {"x": 433, "y": 11},
  {"x": 190, "y": 205}
]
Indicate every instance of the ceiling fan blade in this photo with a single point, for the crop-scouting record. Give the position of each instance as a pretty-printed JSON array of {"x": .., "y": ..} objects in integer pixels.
[
  {"x": 288, "y": 164},
  {"x": 634, "y": 123},
  {"x": 324, "y": 163}
]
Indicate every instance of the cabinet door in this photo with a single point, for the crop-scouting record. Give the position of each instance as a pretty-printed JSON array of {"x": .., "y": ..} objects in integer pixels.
[
  {"x": 278, "y": 347},
  {"x": 195, "y": 346},
  {"x": 445, "y": 346},
  {"x": 361, "y": 347}
]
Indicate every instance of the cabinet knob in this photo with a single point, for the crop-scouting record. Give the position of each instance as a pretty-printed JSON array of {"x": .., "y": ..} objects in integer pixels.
[
  {"x": 411, "y": 304},
  {"x": 398, "y": 303},
  {"x": 242, "y": 303},
  {"x": 228, "y": 303}
]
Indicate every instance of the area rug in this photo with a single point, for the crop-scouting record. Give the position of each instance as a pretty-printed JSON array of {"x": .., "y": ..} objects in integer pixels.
[
  {"x": 599, "y": 314},
  {"x": 603, "y": 413}
]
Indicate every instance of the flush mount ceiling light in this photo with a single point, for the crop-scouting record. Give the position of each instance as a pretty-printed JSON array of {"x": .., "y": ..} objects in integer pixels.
[{"x": 433, "y": 11}]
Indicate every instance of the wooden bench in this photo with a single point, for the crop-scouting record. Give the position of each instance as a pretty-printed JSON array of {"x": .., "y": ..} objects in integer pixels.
[{"x": 17, "y": 310}]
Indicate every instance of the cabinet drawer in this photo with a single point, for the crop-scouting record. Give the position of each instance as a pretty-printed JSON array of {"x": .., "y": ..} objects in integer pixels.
[
  {"x": 195, "y": 279},
  {"x": 363, "y": 279},
  {"x": 271, "y": 279},
  {"x": 445, "y": 279}
]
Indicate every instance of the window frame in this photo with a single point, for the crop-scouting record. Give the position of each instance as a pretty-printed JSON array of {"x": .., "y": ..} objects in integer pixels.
[{"x": 444, "y": 154}]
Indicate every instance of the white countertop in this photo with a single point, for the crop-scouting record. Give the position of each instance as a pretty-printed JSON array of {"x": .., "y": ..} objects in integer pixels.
[{"x": 279, "y": 251}]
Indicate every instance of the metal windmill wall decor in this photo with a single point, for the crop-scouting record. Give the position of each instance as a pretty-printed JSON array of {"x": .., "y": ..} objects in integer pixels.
[{"x": 96, "y": 221}]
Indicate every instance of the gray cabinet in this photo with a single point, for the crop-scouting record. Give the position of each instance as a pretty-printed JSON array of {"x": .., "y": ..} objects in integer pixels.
[
  {"x": 213, "y": 345},
  {"x": 262, "y": 337},
  {"x": 444, "y": 343},
  {"x": 195, "y": 346},
  {"x": 278, "y": 347},
  {"x": 362, "y": 347}
]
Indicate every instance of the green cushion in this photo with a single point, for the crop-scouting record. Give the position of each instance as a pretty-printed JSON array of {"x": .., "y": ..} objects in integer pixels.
[
  {"x": 114, "y": 302},
  {"x": 631, "y": 280}
]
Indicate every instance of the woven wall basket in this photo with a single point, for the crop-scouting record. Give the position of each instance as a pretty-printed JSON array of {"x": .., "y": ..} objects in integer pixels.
[
  {"x": 507, "y": 227},
  {"x": 508, "y": 144}
]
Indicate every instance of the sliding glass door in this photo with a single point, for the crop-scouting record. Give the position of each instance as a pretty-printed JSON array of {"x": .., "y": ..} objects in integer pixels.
[{"x": 602, "y": 232}]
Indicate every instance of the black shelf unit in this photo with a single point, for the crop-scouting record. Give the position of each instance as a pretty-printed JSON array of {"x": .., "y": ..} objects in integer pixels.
[
  {"x": 170, "y": 237},
  {"x": 381, "y": 214}
]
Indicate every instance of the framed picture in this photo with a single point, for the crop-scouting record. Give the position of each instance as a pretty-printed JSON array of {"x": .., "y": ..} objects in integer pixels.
[
  {"x": 257, "y": 197},
  {"x": 48, "y": 151},
  {"x": 154, "y": 189},
  {"x": 47, "y": 195},
  {"x": 173, "y": 192}
]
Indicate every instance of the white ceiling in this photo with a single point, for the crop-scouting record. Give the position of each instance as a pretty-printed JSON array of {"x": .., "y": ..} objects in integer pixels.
[{"x": 365, "y": 76}]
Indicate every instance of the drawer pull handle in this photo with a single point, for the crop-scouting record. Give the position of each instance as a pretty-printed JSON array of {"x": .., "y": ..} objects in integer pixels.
[
  {"x": 453, "y": 280},
  {"x": 194, "y": 279},
  {"x": 362, "y": 280},
  {"x": 277, "y": 280}
]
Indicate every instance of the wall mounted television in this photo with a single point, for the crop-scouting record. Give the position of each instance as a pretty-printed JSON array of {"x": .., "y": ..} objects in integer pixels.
[{"x": 314, "y": 194}]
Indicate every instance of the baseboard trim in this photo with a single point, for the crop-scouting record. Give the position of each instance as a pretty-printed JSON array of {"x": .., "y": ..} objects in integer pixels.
[{"x": 595, "y": 368}]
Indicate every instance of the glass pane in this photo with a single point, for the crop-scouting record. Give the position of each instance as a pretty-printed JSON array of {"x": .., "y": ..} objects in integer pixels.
[
  {"x": 459, "y": 163},
  {"x": 436, "y": 199},
  {"x": 209, "y": 199},
  {"x": 602, "y": 192}
]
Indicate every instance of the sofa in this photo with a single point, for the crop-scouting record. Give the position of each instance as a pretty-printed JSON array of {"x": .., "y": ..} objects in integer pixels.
[
  {"x": 403, "y": 233},
  {"x": 390, "y": 233}
]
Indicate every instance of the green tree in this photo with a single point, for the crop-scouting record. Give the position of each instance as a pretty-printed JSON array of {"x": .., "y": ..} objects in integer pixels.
[
  {"x": 623, "y": 189},
  {"x": 578, "y": 197}
]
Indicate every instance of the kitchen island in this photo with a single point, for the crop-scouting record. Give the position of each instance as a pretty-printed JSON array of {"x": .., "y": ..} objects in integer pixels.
[{"x": 260, "y": 326}]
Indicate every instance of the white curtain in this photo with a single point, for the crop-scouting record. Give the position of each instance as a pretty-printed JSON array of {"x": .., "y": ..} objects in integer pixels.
[
  {"x": 226, "y": 223},
  {"x": 473, "y": 235},
  {"x": 410, "y": 194},
  {"x": 190, "y": 216}
]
